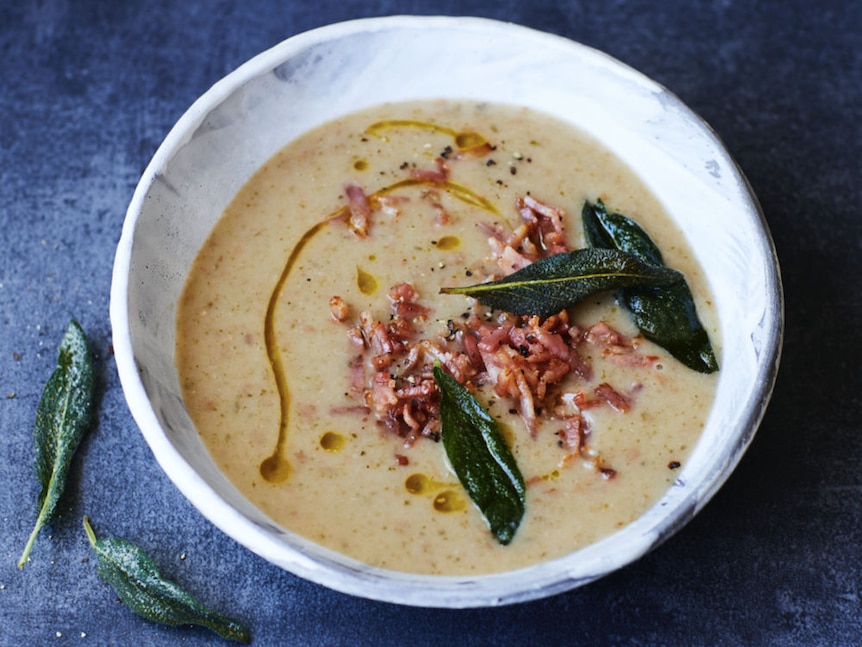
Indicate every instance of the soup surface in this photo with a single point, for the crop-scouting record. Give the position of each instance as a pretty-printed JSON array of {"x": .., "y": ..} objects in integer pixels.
[{"x": 312, "y": 316}]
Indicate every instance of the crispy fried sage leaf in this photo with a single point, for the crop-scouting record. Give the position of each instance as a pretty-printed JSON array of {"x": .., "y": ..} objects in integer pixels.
[
  {"x": 64, "y": 414},
  {"x": 664, "y": 314},
  {"x": 140, "y": 586},
  {"x": 556, "y": 282},
  {"x": 481, "y": 459}
]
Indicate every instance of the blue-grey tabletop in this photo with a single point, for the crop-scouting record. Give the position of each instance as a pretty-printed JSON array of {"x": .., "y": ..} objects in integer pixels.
[{"x": 89, "y": 88}]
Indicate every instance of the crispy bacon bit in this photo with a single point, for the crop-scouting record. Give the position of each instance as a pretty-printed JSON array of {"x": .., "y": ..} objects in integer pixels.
[
  {"x": 608, "y": 473},
  {"x": 616, "y": 347},
  {"x": 511, "y": 261},
  {"x": 471, "y": 350},
  {"x": 540, "y": 234},
  {"x": 354, "y": 334},
  {"x": 338, "y": 308},
  {"x": 403, "y": 297},
  {"x": 583, "y": 401},
  {"x": 438, "y": 175},
  {"x": 632, "y": 359},
  {"x": 377, "y": 335},
  {"x": 402, "y": 460},
  {"x": 612, "y": 397},
  {"x": 601, "y": 334},
  {"x": 359, "y": 209},
  {"x": 548, "y": 223},
  {"x": 574, "y": 434},
  {"x": 382, "y": 395}
]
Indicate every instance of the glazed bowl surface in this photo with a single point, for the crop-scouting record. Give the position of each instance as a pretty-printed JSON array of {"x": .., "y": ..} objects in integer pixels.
[{"x": 313, "y": 77}]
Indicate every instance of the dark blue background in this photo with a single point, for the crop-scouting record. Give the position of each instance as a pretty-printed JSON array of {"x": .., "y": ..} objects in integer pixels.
[{"x": 88, "y": 89}]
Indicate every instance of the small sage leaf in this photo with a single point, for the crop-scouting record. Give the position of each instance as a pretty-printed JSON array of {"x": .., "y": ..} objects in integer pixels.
[
  {"x": 664, "y": 314},
  {"x": 64, "y": 415},
  {"x": 140, "y": 586},
  {"x": 616, "y": 231},
  {"x": 560, "y": 281},
  {"x": 481, "y": 459}
]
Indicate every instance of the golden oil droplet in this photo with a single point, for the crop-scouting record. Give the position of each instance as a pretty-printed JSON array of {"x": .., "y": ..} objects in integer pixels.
[
  {"x": 447, "y": 243},
  {"x": 449, "y": 501},
  {"x": 366, "y": 282},
  {"x": 275, "y": 469},
  {"x": 418, "y": 484},
  {"x": 360, "y": 165},
  {"x": 469, "y": 140},
  {"x": 332, "y": 441}
]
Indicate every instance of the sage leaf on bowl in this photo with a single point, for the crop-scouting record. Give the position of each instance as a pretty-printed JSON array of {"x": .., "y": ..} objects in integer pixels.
[
  {"x": 65, "y": 413},
  {"x": 140, "y": 586},
  {"x": 560, "y": 281},
  {"x": 665, "y": 314},
  {"x": 480, "y": 458}
]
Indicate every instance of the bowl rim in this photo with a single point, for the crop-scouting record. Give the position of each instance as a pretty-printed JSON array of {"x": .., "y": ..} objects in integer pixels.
[{"x": 340, "y": 573}]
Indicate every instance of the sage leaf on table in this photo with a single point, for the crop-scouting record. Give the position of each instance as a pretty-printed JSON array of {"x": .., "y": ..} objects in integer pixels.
[
  {"x": 140, "y": 586},
  {"x": 557, "y": 282},
  {"x": 64, "y": 415},
  {"x": 480, "y": 457},
  {"x": 665, "y": 314}
]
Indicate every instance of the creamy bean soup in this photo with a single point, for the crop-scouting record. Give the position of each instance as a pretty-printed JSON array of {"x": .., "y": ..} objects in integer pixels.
[{"x": 312, "y": 319}]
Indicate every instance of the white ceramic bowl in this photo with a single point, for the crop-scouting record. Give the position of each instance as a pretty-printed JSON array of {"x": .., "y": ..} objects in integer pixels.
[{"x": 313, "y": 77}]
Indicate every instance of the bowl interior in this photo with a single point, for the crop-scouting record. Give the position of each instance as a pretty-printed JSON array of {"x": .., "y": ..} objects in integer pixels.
[{"x": 311, "y": 78}]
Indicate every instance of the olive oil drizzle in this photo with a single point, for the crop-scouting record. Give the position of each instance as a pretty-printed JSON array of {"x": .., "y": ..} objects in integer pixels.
[
  {"x": 276, "y": 467},
  {"x": 464, "y": 140},
  {"x": 379, "y": 126}
]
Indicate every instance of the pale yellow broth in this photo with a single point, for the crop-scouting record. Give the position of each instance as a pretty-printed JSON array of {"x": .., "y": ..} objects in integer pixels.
[{"x": 347, "y": 489}]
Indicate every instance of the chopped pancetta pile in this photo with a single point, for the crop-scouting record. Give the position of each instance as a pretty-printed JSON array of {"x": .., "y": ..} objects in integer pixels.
[{"x": 536, "y": 365}]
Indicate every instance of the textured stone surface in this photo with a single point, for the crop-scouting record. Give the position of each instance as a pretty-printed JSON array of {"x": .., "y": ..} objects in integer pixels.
[{"x": 88, "y": 91}]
